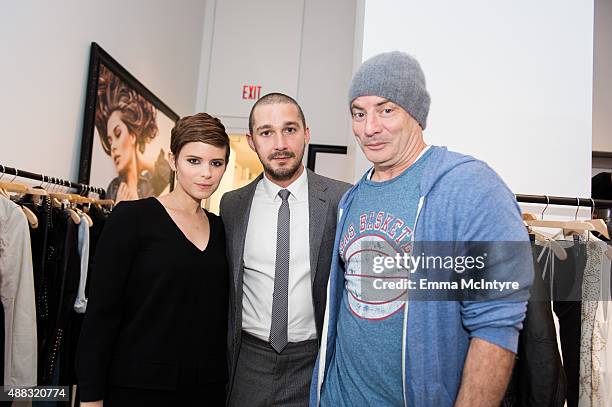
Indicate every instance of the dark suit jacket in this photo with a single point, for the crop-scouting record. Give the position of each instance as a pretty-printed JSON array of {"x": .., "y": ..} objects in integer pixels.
[{"x": 323, "y": 197}]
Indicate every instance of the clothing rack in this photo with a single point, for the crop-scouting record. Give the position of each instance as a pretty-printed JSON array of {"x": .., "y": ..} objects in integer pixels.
[
  {"x": 81, "y": 188},
  {"x": 567, "y": 201}
]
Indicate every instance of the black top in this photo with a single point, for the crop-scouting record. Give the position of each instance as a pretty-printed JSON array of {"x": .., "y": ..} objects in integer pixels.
[
  {"x": 157, "y": 311},
  {"x": 601, "y": 186}
]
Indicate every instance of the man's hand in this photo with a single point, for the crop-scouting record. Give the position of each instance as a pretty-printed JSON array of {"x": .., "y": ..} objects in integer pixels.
[{"x": 486, "y": 375}]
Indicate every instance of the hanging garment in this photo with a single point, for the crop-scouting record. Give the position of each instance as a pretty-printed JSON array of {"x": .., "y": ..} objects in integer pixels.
[
  {"x": 17, "y": 295},
  {"x": 39, "y": 242},
  {"x": 595, "y": 349},
  {"x": 64, "y": 273},
  {"x": 80, "y": 304},
  {"x": 564, "y": 281},
  {"x": 538, "y": 378}
]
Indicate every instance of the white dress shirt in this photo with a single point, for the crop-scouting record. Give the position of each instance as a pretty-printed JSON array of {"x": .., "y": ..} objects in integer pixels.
[
  {"x": 17, "y": 295},
  {"x": 260, "y": 258}
]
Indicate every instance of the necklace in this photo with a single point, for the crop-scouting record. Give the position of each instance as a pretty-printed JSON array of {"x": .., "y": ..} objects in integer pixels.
[{"x": 179, "y": 208}]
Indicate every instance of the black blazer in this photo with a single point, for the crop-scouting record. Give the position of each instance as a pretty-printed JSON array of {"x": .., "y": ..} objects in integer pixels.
[
  {"x": 157, "y": 311},
  {"x": 323, "y": 197}
]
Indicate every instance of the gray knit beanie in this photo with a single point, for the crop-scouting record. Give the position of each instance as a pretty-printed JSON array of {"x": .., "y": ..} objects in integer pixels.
[{"x": 395, "y": 76}]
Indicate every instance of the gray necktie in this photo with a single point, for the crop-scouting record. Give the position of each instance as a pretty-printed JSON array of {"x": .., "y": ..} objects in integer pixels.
[{"x": 278, "y": 327}]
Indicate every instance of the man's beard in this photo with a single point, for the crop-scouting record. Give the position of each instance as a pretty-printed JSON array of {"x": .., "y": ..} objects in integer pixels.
[{"x": 282, "y": 173}]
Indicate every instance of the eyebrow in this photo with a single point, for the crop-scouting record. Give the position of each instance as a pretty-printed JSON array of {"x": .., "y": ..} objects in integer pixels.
[
  {"x": 355, "y": 106},
  {"x": 263, "y": 127},
  {"x": 200, "y": 158},
  {"x": 285, "y": 124}
]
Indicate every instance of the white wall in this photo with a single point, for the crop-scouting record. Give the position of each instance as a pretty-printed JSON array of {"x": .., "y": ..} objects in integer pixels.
[
  {"x": 45, "y": 55},
  {"x": 302, "y": 48},
  {"x": 254, "y": 43},
  {"x": 510, "y": 82},
  {"x": 602, "y": 77}
]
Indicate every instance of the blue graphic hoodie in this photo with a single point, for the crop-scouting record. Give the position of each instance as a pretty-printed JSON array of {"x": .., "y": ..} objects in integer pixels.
[{"x": 462, "y": 199}]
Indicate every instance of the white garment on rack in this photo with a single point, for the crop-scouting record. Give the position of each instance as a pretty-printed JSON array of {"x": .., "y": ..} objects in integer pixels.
[
  {"x": 80, "y": 304},
  {"x": 596, "y": 329},
  {"x": 17, "y": 295}
]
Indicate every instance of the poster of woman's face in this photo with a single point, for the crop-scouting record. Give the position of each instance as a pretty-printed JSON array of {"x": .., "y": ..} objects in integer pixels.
[{"x": 130, "y": 140}]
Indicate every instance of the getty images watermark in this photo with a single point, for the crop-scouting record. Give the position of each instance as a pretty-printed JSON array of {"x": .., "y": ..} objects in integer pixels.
[
  {"x": 409, "y": 264},
  {"x": 434, "y": 271}
]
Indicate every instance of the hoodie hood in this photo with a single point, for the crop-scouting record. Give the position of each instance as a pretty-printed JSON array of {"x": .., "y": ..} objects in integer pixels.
[{"x": 440, "y": 162}]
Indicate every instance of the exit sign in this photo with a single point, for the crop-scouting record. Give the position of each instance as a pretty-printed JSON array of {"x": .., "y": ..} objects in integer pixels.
[{"x": 251, "y": 92}]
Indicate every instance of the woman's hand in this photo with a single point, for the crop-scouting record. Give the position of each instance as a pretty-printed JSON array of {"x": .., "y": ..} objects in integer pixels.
[
  {"x": 98, "y": 403},
  {"x": 124, "y": 194}
]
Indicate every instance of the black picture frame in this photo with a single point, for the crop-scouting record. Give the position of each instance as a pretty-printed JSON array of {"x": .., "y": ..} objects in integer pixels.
[
  {"x": 314, "y": 149},
  {"x": 102, "y": 61}
]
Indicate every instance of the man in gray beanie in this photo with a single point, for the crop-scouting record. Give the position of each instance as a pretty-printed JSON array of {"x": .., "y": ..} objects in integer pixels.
[{"x": 392, "y": 351}]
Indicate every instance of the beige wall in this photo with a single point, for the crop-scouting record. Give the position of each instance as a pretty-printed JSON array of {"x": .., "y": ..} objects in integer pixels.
[
  {"x": 602, "y": 76},
  {"x": 45, "y": 56},
  {"x": 302, "y": 48}
]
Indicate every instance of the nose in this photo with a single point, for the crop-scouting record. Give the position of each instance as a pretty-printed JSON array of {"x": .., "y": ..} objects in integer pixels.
[
  {"x": 206, "y": 171},
  {"x": 280, "y": 143},
  {"x": 372, "y": 125}
]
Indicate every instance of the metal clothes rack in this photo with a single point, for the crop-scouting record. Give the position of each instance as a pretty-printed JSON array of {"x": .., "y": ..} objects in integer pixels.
[
  {"x": 562, "y": 200},
  {"x": 81, "y": 188}
]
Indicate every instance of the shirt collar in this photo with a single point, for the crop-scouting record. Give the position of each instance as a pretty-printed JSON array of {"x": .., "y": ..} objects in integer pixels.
[
  {"x": 371, "y": 171},
  {"x": 298, "y": 188}
]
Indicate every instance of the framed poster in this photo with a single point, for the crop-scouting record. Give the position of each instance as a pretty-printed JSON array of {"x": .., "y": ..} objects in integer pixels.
[
  {"x": 126, "y": 133},
  {"x": 328, "y": 160}
]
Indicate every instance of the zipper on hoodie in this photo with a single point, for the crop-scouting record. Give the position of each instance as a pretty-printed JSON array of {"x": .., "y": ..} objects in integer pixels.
[{"x": 405, "y": 324}]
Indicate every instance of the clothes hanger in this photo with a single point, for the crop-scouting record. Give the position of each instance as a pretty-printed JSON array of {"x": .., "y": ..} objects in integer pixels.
[
  {"x": 549, "y": 241},
  {"x": 575, "y": 225},
  {"x": 13, "y": 186},
  {"x": 18, "y": 188},
  {"x": 608, "y": 251},
  {"x": 599, "y": 225},
  {"x": 570, "y": 231},
  {"x": 30, "y": 216},
  {"x": 105, "y": 202},
  {"x": 32, "y": 191},
  {"x": 71, "y": 205},
  {"x": 64, "y": 201},
  {"x": 82, "y": 213},
  {"x": 98, "y": 202},
  {"x": 75, "y": 199},
  {"x": 3, "y": 192}
]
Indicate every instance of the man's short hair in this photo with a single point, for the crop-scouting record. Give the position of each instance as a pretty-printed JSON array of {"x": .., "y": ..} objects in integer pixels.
[{"x": 274, "y": 98}]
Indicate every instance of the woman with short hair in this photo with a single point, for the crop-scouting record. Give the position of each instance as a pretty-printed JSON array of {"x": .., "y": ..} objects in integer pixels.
[{"x": 156, "y": 322}]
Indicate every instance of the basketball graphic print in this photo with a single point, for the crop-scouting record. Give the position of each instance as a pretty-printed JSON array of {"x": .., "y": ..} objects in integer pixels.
[{"x": 366, "y": 296}]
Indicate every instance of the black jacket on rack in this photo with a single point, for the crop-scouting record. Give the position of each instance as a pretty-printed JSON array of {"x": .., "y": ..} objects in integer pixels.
[
  {"x": 63, "y": 269},
  {"x": 538, "y": 378}
]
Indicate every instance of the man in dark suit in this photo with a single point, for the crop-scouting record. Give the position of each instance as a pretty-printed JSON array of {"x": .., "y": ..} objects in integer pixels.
[{"x": 280, "y": 233}]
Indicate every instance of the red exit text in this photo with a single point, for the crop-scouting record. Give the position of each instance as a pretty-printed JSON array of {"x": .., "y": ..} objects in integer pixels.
[{"x": 251, "y": 92}]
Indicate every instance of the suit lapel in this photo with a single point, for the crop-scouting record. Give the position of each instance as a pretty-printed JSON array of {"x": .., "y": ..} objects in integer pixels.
[
  {"x": 243, "y": 209},
  {"x": 317, "y": 209}
]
